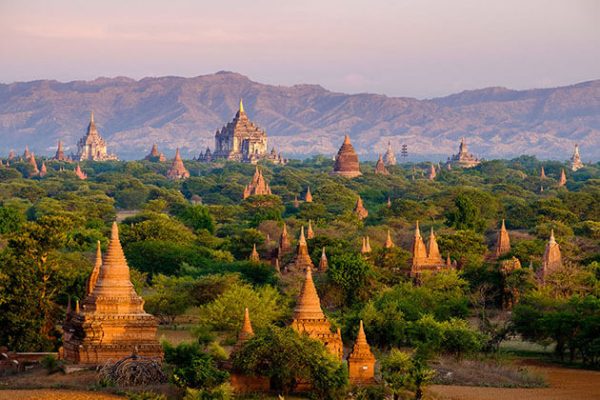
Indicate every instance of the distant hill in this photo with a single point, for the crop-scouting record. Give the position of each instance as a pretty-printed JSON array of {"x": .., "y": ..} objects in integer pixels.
[{"x": 301, "y": 119}]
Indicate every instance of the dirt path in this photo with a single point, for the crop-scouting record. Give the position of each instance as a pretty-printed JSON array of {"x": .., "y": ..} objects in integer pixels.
[
  {"x": 571, "y": 384},
  {"x": 51, "y": 394}
]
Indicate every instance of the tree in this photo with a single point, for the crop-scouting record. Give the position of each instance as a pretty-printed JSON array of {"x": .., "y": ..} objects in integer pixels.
[
  {"x": 402, "y": 371},
  {"x": 262, "y": 208},
  {"x": 351, "y": 272},
  {"x": 286, "y": 357},
  {"x": 192, "y": 367},
  {"x": 198, "y": 217},
  {"x": 10, "y": 220},
  {"x": 466, "y": 215},
  {"x": 170, "y": 297}
]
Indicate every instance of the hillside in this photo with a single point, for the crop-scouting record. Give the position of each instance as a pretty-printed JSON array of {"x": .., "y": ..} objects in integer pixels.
[{"x": 301, "y": 119}]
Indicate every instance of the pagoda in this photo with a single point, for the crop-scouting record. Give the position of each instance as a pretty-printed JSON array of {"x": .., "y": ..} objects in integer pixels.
[
  {"x": 254, "y": 256},
  {"x": 563, "y": 178},
  {"x": 155, "y": 155},
  {"x": 361, "y": 361},
  {"x": 432, "y": 173},
  {"x": 359, "y": 210},
  {"x": 542, "y": 173},
  {"x": 301, "y": 261},
  {"x": 60, "y": 153},
  {"x": 178, "y": 170},
  {"x": 310, "y": 234},
  {"x": 112, "y": 323},
  {"x": 242, "y": 140},
  {"x": 258, "y": 186},
  {"x": 92, "y": 146},
  {"x": 309, "y": 318},
  {"x": 308, "y": 196},
  {"x": 388, "y": 241},
  {"x": 464, "y": 159},
  {"x": 389, "y": 157},
  {"x": 323, "y": 262},
  {"x": 552, "y": 260},
  {"x": 284, "y": 242},
  {"x": 246, "y": 332},
  {"x": 43, "y": 170},
  {"x": 26, "y": 153},
  {"x": 423, "y": 258},
  {"x": 576, "y": 162},
  {"x": 366, "y": 245},
  {"x": 380, "y": 168},
  {"x": 346, "y": 161},
  {"x": 79, "y": 173},
  {"x": 207, "y": 156},
  {"x": 503, "y": 241},
  {"x": 35, "y": 171}
]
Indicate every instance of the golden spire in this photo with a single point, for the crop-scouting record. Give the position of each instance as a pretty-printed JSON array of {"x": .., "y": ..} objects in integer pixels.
[
  {"x": 346, "y": 139},
  {"x": 113, "y": 279},
  {"x": 308, "y": 305},
  {"x": 388, "y": 241},
  {"x": 563, "y": 178},
  {"x": 308, "y": 197},
  {"x": 503, "y": 242},
  {"x": 91, "y": 117},
  {"x": 310, "y": 234},
  {"x": 241, "y": 106},
  {"x": 302, "y": 239},
  {"x": 246, "y": 332},
  {"x": 434, "y": 251},
  {"x": 254, "y": 256}
]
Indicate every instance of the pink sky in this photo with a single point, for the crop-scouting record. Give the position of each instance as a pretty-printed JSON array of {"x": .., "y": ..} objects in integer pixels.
[{"x": 419, "y": 48}]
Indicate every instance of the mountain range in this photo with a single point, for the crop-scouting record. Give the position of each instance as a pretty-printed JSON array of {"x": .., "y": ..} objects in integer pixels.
[{"x": 300, "y": 120}]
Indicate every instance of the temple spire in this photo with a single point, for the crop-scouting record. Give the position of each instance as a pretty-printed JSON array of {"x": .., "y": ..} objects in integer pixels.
[
  {"x": 323, "y": 263},
  {"x": 503, "y": 242},
  {"x": 92, "y": 117},
  {"x": 246, "y": 332},
  {"x": 241, "y": 106},
  {"x": 309, "y": 304},
  {"x": 388, "y": 241},
  {"x": 434, "y": 252},
  {"x": 254, "y": 256},
  {"x": 310, "y": 234}
]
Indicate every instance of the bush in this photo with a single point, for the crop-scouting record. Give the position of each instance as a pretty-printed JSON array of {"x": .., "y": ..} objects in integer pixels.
[{"x": 193, "y": 368}]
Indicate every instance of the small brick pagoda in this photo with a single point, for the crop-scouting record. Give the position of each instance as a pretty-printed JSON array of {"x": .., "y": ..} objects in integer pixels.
[
  {"x": 111, "y": 323},
  {"x": 258, "y": 186},
  {"x": 380, "y": 168},
  {"x": 301, "y": 261},
  {"x": 503, "y": 241},
  {"x": 552, "y": 260},
  {"x": 178, "y": 170},
  {"x": 361, "y": 361},
  {"x": 155, "y": 155},
  {"x": 346, "y": 161},
  {"x": 425, "y": 259}
]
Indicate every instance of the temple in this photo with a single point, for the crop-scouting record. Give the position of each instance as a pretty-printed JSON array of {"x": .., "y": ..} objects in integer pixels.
[
  {"x": 388, "y": 241},
  {"x": 92, "y": 146},
  {"x": 389, "y": 157},
  {"x": 361, "y": 361},
  {"x": 178, "y": 170},
  {"x": 309, "y": 318},
  {"x": 562, "y": 181},
  {"x": 60, "y": 153},
  {"x": 111, "y": 323},
  {"x": 463, "y": 159},
  {"x": 254, "y": 256},
  {"x": 258, "y": 186},
  {"x": 302, "y": 261},
  {"x": 323, "y": 263},
  {"x": 43, "y": 170},
  {"x": 366, "y": 246},
  {"x": 542, "y": 173},
  {"x": 242, "y": 140},
  {"x": 576, "y": 162},
  {"x": 359, "y": 210},
  {"x": 79, "y": 173},
  {"x": 246, "y": 332},
  {"x": 310, "y": 233},
  {"x": 380, "y": 168},
  {"x": 552, "y": 260},
  {"x": 34, "y": 171},
  {"x": 308, "y": 196},
  {"x": 346, "y": 161},
  {"x": 503, "y": 241},
  {"x": 432, "y": 173},
  {"x": 423, "y": 258},
  {"x": 155, "y": 155},
  {"x": 510, "y": 294}
]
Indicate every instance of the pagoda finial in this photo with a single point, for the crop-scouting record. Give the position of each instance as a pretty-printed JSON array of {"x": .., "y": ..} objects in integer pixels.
[
  {"x": 388, "y": 241},
  {"x": 302, "y": 240},
  {"x": 114, "y": 232},
  {"x": 552, "y": 240},
  {"x": 361, "y": 337},
  {"x": 91, "y": 117},
  {"x": 241, "y": 106},
  {"x": 417, "y": 230},
  {"x": 346, "y": 139}
]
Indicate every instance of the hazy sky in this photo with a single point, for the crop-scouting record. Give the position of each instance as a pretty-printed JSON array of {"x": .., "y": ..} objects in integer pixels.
[{"x": 419, "y": 48}]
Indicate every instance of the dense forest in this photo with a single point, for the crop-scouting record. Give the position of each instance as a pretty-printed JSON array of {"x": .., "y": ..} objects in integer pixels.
[{"x": 188, "y": 244}]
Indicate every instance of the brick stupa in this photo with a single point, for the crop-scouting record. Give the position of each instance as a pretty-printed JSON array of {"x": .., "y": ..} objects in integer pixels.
[
  {"x": 301, "y": 261},
  {"x": 323, "y": 262},
  {"x": 361, "y": 361},
  {"x": 346, "y": 161},
  {"x": 60, "y": 153},
  {"x": 425, "y": 259},
  {"x": 155, "y": 155},
  {"x": 563, "y": 178},
  {"x": 380, "y": 168},
  {"x": 178, "y": 170},
  {"x": 309, "y": 318},
  {"x": 390, "y": 157},
  {"x": 360, "y": 210},
  {"x": 308, "y": 196},
  {"x": 79, "y": 173},
  {"x": 552, "y": 260},
  {"x": 112, "y": 323},
  {"x": 503, "y": 241},
  {"x": 258, "y": 186}
]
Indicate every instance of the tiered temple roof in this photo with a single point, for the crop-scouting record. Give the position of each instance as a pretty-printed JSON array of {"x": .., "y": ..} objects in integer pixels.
[
  {"x": 309, "y": 318},
  {"x": 380, "y": 167},
  {"x": 576, "y": 162},
  {"x": 155, "y": 155},
  {"x": 301, "y": 261},
  {"x": 346, "y": 161},
  {"x": 361, "y": 361},
  {"x": 390, "y": 157},
  {"x": 178, "y": 170},
  {"x": 112, "y": 323},
  {"x": 360, "y": 211},
  {"x": 258, "y": 186},
  {"x": 464, "y": 159},
  {"x": 92, "y": 146},
  {"x": 552, "y": 260},
  {"x": 503, "y": 241}
]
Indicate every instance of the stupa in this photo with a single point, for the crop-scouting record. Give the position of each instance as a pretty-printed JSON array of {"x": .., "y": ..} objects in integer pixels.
[
  {"x": 503, "y": 241},
  {"x": 60, "y": 153},
  {"x": 425, "y": 259},
  {"x": 323, "y": 262},
  {"x": 246, "y": 332},
  {"x": 43, "y": 170},
  {"x": 360, "y": 211},
  {"x": 346, "y": 161},
  {"x": 178, "y": 170},
  {"x": 301, "y": 261},
  {"x": 562, "y": 181},
  {"x": 432, "y": 173},
  {"x": 552, "y": 260},
  {"x": 310, "y": 234},
  {"x": 388, "y": 241},
  {"x": 92, "y": 146},
  {"x": 542, "y": 173},
  {"x": 34, "y": 171},
  {"x": 389, "y": 157},
  {"x": 464, "y": 159},
  {"x": 258, "y": 186},
  {"x": 111, "y": 323},
  {"x": 309, "y": 318},
  {"x": 361, "y": 361},
  {"x": 155, "y": 155},
  {"x": 308, "y": 196},
  {"x": 284, "y": 242},
  {"x": 79, "y": 173},
  {"x": 254, "y": 256},
  {"x": 380, "y": 168},
  {"x": 576, "y": 162}
]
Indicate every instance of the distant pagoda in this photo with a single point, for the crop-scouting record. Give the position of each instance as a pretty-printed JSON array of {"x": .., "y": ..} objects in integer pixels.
[
  {"x": 79, "y": 173},
  {"x": 552, "y": 260},
  {"x": 503, "y": 241},
  {"x": 323, "y": 262},
  {"x": 389, "y": 157},
  {"x": 309, "y": 318},
  {"x": 155, "y": 155},
  {"x": 432, "y": 173},
  {"x": 92, "y": 146},
  {"x": 301, "y": 261},
  {"x": 178, "y": 170},
  {"x": 359, "y": 210},
  {"x": 242, "y": 140},
  {"x": 425, "y": 259},
  {"x": 576, "y": 162},
  {"x": 464, "y": 159},
  {"x": 111, "y": 323},
  {"x": 346, "y": 161},
  {"x": 380, "y": 167},
  {"x": 258, "y": 186},
  {"x": 308, "y": 196},
  {"x": 562, "y": 181},
  {"x": 60, "y": 153}
]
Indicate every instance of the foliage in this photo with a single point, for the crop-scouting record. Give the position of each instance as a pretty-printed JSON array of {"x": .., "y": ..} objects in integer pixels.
[
  {"x": 402, "y": 371},
  {"x": 350, "y": 272},
  {"x": 191, "y": 367}
]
